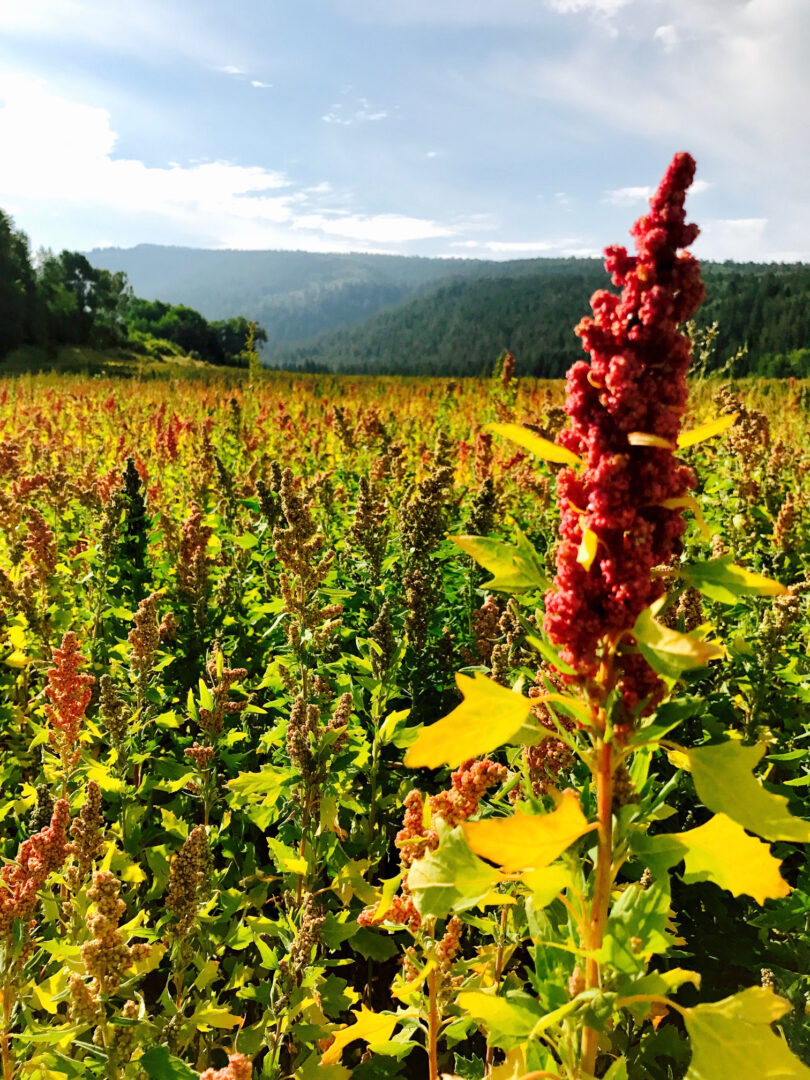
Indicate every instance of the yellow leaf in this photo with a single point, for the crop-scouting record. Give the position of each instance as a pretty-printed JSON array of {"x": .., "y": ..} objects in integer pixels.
[
  {"x": 515, "y": 567},
  {"x": 295, "y": 865},
  {"x": 405, "y": 990},
  {"x": 369, "y": 1026},
  {"x": 17, "y": 659},
  {"x": 725, "y": 783},
  {"x": 668, "y": 651},
  {"x": 47, "y": 991},
  {"x": 150, "y": 961},
  {"x": 496, "y": 899},
  {"x": 513, "y": 1067},
  {"x": 218, "y": 1018},
  {"x": 526, "y": 841},
  {"x": 387, "y": 892},
  {"x": 546, "y": 883},
  {"x": 734, "y": 1037},
  {"x": 641, "y": 438},
  {"x": 537, "y": 445},
  {"x": 587, "y": 549},
  {"x": 722, "y": 851},
  {"x": 489, "y": 716},
  {"x": 706, "y": 431},
  {"x": 689, "y": 502}
]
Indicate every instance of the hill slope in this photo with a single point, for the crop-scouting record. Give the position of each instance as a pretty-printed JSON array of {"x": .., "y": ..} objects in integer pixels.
[
  {"x": 293, "y": 294},
  {"x": 296, "y": 295},
  {"x": 460, "y": 328},
  {"x": 405, "y": 314}
]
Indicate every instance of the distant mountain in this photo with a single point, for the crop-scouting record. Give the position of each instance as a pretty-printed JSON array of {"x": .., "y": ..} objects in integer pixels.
[
  {"x": 293, "y": 294},
  {"x": 407, "y": 314},
  {"x": 460, "y": 328}
]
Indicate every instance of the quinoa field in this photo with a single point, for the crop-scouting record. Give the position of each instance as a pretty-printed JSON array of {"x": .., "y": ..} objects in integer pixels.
[{"x": 384, "y": 728}]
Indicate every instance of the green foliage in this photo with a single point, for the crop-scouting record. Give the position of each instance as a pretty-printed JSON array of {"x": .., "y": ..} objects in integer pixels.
[
  {"x": 64, "y": 300},
  {"x": 267, "y": 708}
]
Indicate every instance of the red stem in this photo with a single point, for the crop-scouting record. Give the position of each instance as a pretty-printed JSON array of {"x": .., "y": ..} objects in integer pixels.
[
  {"x": 602, "y": 886},
  {"x": 433, "y": 1027}
]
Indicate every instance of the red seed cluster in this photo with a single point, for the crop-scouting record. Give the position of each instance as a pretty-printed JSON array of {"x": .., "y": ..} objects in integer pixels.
[
  {"x": 469, "y": 783},
  {"x": 635, "y": 383},
  {"x": 238, "y": 1068},
  {"x": 37, "y": 858},
  {"x": 69, "y": 693}
]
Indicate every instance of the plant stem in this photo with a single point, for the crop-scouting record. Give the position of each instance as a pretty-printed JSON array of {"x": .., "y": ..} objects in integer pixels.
[
  {"x": 5, "y": 1045},
  {"x": 433, "y": 1027},
  {"x": 497, "y": 977},
  {"x": 602, "y": 886}
]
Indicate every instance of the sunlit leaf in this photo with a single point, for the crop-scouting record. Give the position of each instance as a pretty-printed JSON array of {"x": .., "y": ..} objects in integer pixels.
[
  {"x": 528, "y": 841},
  {"x": 641, "y": 438},
  {"x": 369, "y": 1026},
  {"x": 537, "y": 445},
  {"x": 451, "y": 878},
  {"x": 405, "y": 990},
  {"x": 689, "y": 502},
  {"x": 587, "y": 548},
  {"x": 513, "y": 1066},
  {"x": 570, "y": 705},
  {"x": 725, "y": 782},
  {"x": 721, "y": 851},
  {"x": 734, "y": 1038},
  {"x": 546, "y": 882},
  {"x": 515, "y": 567},
  {"x": 489, "y": 716},
  {"x": 389, "y": 888},
  {"x": 151, "y": 960},
  {"x": 17, "y": 659},
  {"x": 508, "y": 1020},
  {"x": 722, "y": 580},
  {"x": 669, "y": 652},
  {"x": 637, "y": 927},
  {"x": 706, "y": 431},
  {"x": 208, "y": 1016},
  {"x": 159, "y": 1064}
]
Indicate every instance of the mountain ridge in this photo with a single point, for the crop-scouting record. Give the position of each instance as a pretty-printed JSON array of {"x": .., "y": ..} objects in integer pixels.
[{"x": 404, "y": 314}]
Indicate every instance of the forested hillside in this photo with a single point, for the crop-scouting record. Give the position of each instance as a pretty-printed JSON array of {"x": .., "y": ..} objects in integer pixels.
[
  {"x": 367, "y": 313},
  {"x": 458, "y": 329},
  {"x": 52, "y": 301},
  {"x": 297, "y": 295},
  {"x": 294, "y": 294}
]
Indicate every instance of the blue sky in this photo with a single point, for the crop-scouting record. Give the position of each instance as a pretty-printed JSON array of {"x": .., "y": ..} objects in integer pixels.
[{"x": 486, "y": 128}]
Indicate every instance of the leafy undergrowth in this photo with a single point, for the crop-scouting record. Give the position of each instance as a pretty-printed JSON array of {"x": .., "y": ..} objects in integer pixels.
[
  {"x": 118, "y": 362},
  {"x": 230, "y": 613}
]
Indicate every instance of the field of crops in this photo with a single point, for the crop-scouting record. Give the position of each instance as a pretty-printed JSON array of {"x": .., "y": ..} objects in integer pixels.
[{"x": 240, "y": 843}]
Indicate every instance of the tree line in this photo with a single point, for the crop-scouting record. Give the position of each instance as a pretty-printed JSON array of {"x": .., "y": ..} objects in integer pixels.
[
  {"x": 52, "y": 300},
  {"x": 460, "y": 327}
]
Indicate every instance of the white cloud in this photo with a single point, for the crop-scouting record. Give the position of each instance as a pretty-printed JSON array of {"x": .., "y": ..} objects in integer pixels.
[
  {"x": 591, "y": 7},
  {"x": 260, "y": 85},
  {"x": 524, "y": 249},
  {"x": 149, "y": 28},
  {"x": 518, "y": 247},
  {"x": 360, "y": 113},
  {"x": 474, "y": 12},
  {"x": 733, "y": 238},
  {"x": 70, "y": 168},
  {"x": 232, "y": 69},
  {"x": 630, "y": 196},
  {"x": 668, "y": 36},
  {"x": 375, "y": 228}
]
